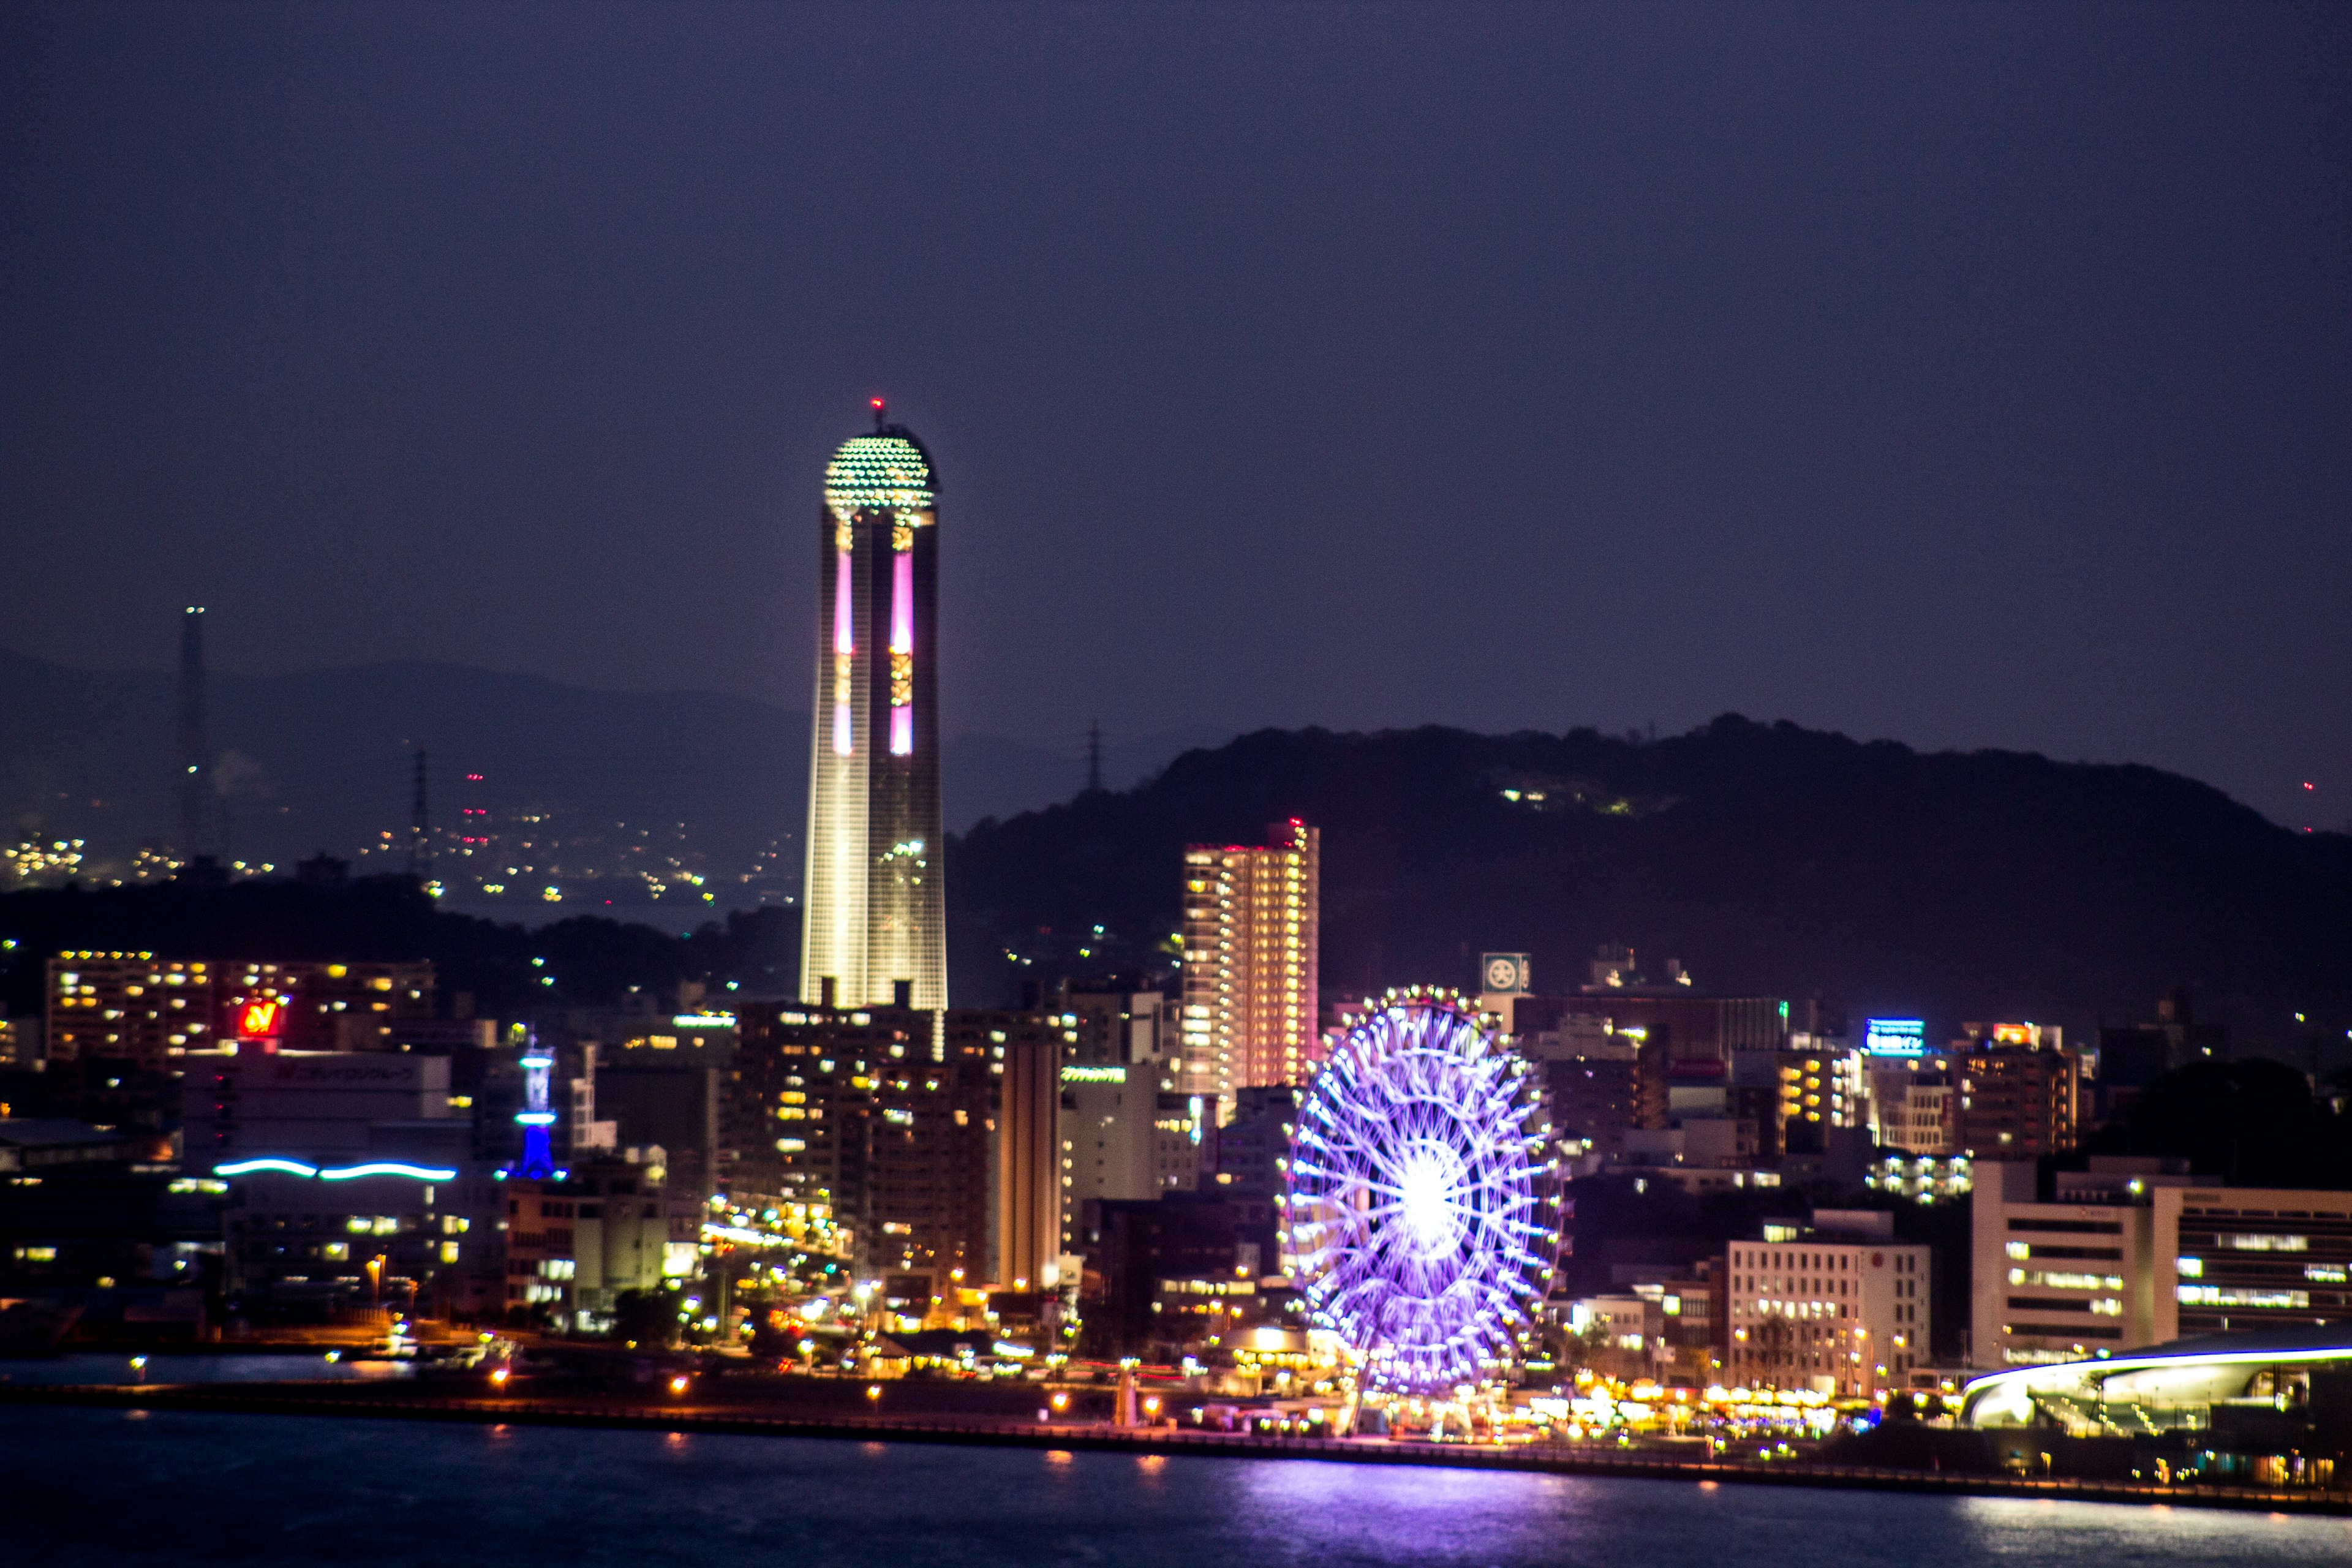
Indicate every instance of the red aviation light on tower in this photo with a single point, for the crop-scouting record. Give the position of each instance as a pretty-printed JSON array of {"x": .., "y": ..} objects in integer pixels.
[
  {"x": 881, "y": 407},
  {"x": 262, "y": 1020}
]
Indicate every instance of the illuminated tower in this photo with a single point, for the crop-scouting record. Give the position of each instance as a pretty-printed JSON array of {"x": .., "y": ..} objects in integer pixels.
[
  {"x": 874, "y": 921},
  {"x": 1252, "y": 930},
  {"x": 538, "y": 1162}
]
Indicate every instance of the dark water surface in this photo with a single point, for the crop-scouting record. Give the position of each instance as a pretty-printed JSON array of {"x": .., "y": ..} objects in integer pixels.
[{"x": 106, "y": 1488}]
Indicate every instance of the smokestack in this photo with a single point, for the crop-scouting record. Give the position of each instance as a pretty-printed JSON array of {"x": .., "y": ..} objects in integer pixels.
[{"x": 192, "y": 761}]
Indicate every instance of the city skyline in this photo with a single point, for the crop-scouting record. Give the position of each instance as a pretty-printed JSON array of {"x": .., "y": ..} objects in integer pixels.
[{"x": 1661, "y": 582}]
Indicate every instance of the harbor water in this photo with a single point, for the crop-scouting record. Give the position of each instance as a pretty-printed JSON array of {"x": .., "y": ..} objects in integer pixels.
[{"x": 97, "y": 1488}]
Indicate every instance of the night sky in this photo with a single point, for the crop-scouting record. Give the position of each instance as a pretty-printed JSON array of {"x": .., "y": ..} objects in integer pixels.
[{"x": 1971, "y": 377}]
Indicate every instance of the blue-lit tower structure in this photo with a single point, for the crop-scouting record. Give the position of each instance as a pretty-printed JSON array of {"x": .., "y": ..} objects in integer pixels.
[
  {"x": 873, "y": 925},
  {"x": 538, "y": 1161}
]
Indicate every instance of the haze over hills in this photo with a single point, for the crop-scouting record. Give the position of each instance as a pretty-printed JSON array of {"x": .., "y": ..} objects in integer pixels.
[
  {"x": 1769, "y": 859},
  {"x": 325, "y": 761}
]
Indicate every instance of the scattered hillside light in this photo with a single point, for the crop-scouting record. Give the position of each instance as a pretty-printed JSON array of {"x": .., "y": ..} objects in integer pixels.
[
  {"x": 873, "y": 1391},
  {"x": 677, "y": 1384}
]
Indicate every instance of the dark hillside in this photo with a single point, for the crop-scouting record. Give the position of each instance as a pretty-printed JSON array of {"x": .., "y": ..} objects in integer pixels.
[{"x": 1768, "y": 858}]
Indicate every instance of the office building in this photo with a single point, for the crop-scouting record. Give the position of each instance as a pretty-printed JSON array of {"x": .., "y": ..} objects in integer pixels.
[
  {"x": 1604, "y": 1083},
  {"x": 873, "y": 926},
  {"x": 1251, "y": 1147},
  {"x": 1839, "y": 1307},
  {"x": 353, "y": 1178},
  {"x": 1251, "y": 935},
  {"x": 2136, "y": 1252},
  {"x": 1187, "y": 1250}
]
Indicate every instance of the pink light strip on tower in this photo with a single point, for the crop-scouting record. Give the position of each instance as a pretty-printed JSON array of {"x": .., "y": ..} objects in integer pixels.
[
  {"x": 902, "y": 652},
  {"x": 844, "y": 646}
]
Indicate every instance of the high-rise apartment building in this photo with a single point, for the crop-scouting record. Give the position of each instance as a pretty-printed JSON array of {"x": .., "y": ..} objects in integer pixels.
[
  {"x": 1251, "y": 934},
  {"x": 874, "y": 927},
  {"x": 945, "y": 1166}
]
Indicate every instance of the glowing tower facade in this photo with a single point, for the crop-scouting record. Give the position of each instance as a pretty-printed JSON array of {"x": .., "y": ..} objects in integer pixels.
[
  {"x": 1252, "y": 935},
  {"x": 874, "y": 921}
]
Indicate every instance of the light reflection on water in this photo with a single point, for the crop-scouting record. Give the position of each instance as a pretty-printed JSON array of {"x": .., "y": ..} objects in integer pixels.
[
  {"x": 90, "y": 1486},
  {"x": 89, "y": 1366}
]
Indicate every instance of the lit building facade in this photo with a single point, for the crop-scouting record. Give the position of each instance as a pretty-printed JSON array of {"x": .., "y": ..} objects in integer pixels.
[
  {"x": 2131, "y": 1254},
  {"x": 1842, "y": 1309},
  {"x": 1252, "y": 931},
  {"x": 874, "y": 931},
  {"x": 144, "y": 1011},
  {"x": 2020, "y": 1091}
]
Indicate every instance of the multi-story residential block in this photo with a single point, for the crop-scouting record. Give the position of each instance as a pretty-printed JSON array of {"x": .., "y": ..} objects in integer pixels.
[
  {"x": 940, "y": 1161},
  {"x": 2020, "y": 1091},
  {"x": 146, "y": 1010},
  {"x": 1251, "y": 936}
]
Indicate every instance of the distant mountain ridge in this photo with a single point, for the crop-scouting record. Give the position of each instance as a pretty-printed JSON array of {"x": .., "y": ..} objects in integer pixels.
[
  {"x": 1770, "y": 858},
  {"x": 324, "y": 759}
]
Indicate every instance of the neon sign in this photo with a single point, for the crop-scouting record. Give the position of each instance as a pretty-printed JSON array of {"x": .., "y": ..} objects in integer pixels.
[
  {"x": 264, "y": 1018},
  {"x": 1894, "y": 1037},
  {"x": 271, "y": 1164}
]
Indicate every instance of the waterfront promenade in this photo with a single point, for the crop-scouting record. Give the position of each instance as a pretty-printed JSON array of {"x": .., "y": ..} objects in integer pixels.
[{"x": 415, "y": 1402}]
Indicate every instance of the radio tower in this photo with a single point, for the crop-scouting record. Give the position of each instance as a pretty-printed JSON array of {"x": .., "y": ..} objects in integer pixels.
[{"x": 192, "y": 732}]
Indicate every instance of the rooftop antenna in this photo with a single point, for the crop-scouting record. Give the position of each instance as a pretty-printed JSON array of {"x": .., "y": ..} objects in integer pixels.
[
  {"x": 1094, "y": 757},
  {"x": 881, "y": 410},
  {"x": 192, "y": 732},
  {"x": 420, "y": 841}
]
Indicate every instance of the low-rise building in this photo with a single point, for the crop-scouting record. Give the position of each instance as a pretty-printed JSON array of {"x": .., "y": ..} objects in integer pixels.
[{"x": 576, "y": 1244}]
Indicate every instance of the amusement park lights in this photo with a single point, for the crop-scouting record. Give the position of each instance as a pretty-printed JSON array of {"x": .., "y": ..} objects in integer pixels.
[{"x": 1419, "y": 1205}]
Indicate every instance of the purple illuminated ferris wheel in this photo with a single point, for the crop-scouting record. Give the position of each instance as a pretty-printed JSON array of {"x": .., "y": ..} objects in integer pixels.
[{"x": 1418, "y": 1215}]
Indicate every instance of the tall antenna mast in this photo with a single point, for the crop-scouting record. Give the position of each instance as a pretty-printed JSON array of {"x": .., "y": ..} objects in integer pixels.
[
  {"x": 192, "y": 732},
  {"x": 420, "y": 840}
]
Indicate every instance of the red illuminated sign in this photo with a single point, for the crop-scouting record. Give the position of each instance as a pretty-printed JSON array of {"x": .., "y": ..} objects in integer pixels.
[{"x": 264, "y": 1019}]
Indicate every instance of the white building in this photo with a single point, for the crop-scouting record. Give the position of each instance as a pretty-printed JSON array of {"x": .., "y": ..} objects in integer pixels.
[
  {"x": 1840, "y": 1307},
  {"x": 1124, "y": 1138},
  {"x": 2128, "y": 1254}
]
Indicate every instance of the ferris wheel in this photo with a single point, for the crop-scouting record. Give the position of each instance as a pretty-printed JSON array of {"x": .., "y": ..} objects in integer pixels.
[{"x": 1418, "y": 1215}]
